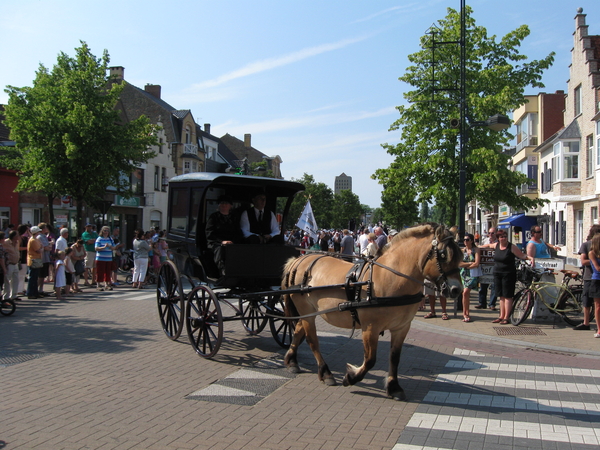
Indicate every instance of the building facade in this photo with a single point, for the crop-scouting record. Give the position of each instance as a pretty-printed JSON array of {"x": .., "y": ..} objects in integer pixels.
[{"x": 342, "y": 183}]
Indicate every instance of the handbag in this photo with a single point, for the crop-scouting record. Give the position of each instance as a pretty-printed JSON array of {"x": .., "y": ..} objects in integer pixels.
[
  {"x": 36, "y": 263},
  {"x": 79, "y": 267}
]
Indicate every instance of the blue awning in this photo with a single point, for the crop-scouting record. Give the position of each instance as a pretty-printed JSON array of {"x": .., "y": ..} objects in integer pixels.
[{"x": 519, "y": 220}]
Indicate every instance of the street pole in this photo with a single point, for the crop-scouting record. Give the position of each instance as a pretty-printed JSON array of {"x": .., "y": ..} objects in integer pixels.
[{"x": 462, "y": 180}]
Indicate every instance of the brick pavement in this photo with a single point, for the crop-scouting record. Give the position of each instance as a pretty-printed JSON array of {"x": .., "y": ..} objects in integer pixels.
[{"x": 98, "y": 373}]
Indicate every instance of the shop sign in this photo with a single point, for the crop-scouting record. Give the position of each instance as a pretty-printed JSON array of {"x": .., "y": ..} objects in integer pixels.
[{"x": 122, "y": 201}]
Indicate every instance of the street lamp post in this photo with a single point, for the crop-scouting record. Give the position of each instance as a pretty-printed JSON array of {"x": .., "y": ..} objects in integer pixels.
[{"x": 497, "y": 122}]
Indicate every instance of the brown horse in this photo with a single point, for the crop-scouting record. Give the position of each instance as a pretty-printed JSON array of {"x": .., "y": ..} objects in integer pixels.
[{"x": 422, "y": 252}]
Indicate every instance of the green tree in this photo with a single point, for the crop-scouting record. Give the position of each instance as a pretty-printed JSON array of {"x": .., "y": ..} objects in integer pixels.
[
  {"x": 346, "y": 208},
  {"x": 397, "y": 212},
  {"x": 427, "y": 156},
  {"x": 321, "y": 200},
  {"x": 69, "y": 137}
]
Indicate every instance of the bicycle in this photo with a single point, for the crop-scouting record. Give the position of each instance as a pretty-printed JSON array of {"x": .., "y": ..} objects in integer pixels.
[{"x": 562, "y": 299}]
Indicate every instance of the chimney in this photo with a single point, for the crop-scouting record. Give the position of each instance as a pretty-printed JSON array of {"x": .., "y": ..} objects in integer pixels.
[
  {"x": 247, "y": 140},
  {"x": 117, "y": 73},
  {"x": 207, "y": 128},
  {"x": 153, "y": 89}
]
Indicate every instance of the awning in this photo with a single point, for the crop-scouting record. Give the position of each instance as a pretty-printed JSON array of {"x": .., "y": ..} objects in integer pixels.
[{"x": 518, "y": 220}]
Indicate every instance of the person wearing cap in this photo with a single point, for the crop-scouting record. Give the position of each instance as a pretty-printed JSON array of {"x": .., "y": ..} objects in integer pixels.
[
  {"x": 221, "y": 230},
  {"x": 258, "y": 224},
  {"x": 89, "y": 237},
  {"x": 34, "y": 252}
]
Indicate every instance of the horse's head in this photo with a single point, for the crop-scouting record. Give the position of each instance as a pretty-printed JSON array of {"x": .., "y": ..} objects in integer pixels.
[{"x": 441, "y": 264}]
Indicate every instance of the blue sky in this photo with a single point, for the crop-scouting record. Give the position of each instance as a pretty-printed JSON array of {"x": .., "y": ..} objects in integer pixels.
[{"x": 315, "y": 82}]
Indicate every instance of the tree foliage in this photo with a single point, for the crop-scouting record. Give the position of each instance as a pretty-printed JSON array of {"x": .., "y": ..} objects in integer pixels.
[
  {"x": 347, "y": 210},
  {"x": 321, "y": 200},
  {"x": 69, "y": 136},
  {"x": 426, "y": 166}
]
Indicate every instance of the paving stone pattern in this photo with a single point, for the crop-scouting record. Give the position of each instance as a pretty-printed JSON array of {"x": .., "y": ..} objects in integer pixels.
[{"x": 97, "y": 372}]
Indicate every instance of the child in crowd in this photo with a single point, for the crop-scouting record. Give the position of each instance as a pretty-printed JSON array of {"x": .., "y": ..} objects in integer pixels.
[
  {"x": 60, "y": 279},
  {"x": 69, "y": 271}
]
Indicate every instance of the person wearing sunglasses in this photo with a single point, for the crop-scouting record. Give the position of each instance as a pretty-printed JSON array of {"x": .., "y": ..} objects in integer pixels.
[
  {"x": 536, "y": 247},
  {"x": 505, "y": 273}
]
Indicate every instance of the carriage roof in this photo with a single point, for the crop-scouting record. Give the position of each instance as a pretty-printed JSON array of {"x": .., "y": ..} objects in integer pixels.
[{"x": 272, "y": 186}]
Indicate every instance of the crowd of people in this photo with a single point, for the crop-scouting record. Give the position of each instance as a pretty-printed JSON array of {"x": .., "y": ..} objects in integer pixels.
[{"x": 32, "y": 257}]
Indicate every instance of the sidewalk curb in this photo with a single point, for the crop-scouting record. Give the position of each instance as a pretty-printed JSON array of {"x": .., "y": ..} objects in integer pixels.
[{"x": 499, "y": 340}]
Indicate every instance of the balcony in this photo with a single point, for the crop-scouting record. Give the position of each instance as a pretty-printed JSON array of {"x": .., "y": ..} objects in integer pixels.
[
  {"x": 190, "y": 149},
  {"x": 527, "y": 141}
]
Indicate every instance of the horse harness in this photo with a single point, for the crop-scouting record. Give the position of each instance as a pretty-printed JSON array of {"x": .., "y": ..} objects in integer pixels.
[{"x": 353, "y": 287}]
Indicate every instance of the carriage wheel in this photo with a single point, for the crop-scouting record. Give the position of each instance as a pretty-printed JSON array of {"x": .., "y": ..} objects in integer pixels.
[
  {"x": 253, "y": 313},
  {"x": 170, "y": 299},
  {"x": 204, "y": 322},
  {"x": 282, "y": 329},
  {"x": 7, "y": 307}
]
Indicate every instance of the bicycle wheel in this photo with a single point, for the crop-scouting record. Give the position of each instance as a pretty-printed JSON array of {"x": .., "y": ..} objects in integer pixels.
[
  {"x": 569, "y": 306},
  {"x": 522, "y": 306}
]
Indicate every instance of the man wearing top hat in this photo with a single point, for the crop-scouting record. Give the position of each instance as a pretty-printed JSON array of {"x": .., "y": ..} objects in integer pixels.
[{"x": 258, "y": 224}]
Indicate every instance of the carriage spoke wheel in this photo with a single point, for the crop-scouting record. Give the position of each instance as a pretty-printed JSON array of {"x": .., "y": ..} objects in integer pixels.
[
  {"x": 204, "y": 322},
  {"x": 170, "y": 299},
  {"x": 253, "y": 313},
  {"x": 282, "y": 329}
]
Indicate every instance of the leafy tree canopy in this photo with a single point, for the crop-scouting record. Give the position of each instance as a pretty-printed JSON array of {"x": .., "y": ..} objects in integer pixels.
[
  {"x": 426, "y": 167},
  {"x": 321, "y": 200},
  {"x": 69, "y": 136}
]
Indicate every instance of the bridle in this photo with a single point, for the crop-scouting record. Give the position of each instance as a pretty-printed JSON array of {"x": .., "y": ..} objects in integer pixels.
[{"x": 441, "y": 281}]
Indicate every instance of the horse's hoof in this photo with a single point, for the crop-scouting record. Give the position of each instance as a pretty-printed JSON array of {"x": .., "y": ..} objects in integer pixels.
[
  {"x": 330, "y": 382},
  {"x": 293, "y": 368},
  {"x": 346, "y": 381},
  {"x": 398, "y": 396}
]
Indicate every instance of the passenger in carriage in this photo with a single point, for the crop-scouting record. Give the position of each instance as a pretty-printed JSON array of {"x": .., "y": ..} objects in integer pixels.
[
  {"x": 258, "y": 224},
  {"x": 221, "y": 230}
]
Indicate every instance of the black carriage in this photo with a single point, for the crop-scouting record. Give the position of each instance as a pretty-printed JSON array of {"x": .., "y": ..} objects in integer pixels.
[{"x": 190, "y": 288}]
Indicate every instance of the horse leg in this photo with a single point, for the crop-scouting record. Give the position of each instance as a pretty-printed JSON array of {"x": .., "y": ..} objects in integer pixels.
[
  {"x": 324, "y": 373},
  {"x": 291, "y": 356},
  {"x": 355, "y": 374},
  {"x": 392, "y": 386}
]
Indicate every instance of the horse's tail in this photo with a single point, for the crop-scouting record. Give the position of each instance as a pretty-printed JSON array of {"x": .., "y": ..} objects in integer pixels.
[{"x": 288, "y": 280}]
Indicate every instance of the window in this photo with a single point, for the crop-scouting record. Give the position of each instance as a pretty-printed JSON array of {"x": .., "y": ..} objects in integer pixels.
[
  {"x": 589, "y": 152},
  {"x": 577, "y": 100},
  {"x": 179, "y": 211},
  {"x": 190, "y": 166},
  {"x": 598, "y": 143},
  {"x": 164, "y": 180},
  {"x": 594, "y": 214},
  {"x": 565, "y": 162},
  {"x": 188, "y": 135},
  {"x": 156, "y": 178},
  {"x": 160, "y": 145},
  {"x": 137, "y": 182}
]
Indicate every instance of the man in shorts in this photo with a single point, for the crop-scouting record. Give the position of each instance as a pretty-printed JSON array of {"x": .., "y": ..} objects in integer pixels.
[
  {"x": 586, "y": 300},
  {"x": 89, "y": 237}
]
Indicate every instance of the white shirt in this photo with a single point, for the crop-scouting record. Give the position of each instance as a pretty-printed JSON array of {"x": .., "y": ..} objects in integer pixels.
[
  {"x": 245, "y": 224},
  {"x": 61, "y": 244}
]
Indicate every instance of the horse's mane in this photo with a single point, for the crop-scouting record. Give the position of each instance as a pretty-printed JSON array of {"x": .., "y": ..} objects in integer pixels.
[{"x": 440, "y": 231}]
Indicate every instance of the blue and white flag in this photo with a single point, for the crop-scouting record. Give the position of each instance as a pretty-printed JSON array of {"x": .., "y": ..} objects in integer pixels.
[{"x": 307, "y": 222}]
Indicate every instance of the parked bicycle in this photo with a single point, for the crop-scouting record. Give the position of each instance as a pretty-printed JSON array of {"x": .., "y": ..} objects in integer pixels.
[{"x": 563, "y": 299}]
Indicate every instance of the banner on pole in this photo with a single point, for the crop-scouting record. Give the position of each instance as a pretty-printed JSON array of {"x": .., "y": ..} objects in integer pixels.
[{"x": 307, "y": 221}]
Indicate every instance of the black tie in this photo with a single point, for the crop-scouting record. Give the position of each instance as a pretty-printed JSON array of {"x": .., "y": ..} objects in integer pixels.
[{"x": 260, "y": 217}]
